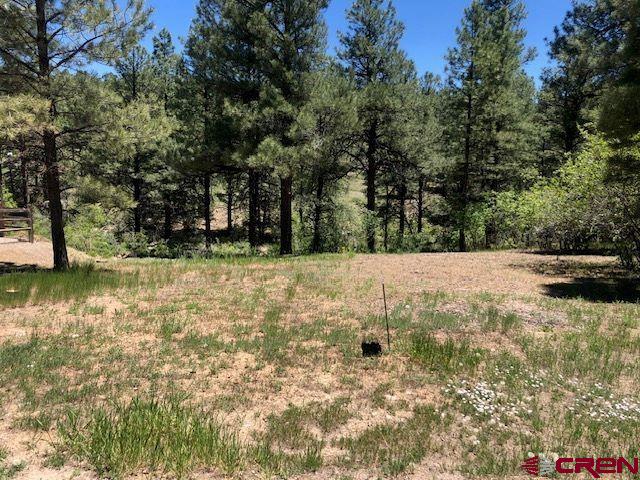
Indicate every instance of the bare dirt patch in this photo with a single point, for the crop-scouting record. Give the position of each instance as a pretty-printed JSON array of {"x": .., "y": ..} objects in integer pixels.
[
  {"x": 505, "y": 273},
  {"x": 16, "y": 254}
]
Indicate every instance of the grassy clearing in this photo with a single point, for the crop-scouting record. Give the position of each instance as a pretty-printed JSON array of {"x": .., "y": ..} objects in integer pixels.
[
  {"x": 393, "y": 447},
  {"x": 449, "y": 356},
  {"x": 255, "y": 369}
]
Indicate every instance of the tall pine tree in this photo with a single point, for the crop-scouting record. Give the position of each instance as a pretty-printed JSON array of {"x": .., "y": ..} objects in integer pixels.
[{"x": 371, "y": 53}]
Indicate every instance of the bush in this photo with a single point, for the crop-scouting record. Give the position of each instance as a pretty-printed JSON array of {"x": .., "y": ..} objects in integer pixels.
[
  {"x": 7, "y": 200},
  {"x": 572, "y": 211},
  {"x": 90, "y": 231},
  {"x": 136, "y": 244}
]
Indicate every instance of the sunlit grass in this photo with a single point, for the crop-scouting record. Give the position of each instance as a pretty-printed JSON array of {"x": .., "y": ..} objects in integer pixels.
[
  {"x": 77, "y": 283},
  {"x": 161, "y": 436}
]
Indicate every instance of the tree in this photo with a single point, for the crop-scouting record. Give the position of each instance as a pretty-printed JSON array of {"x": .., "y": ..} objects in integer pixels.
[
  {"x": 371, "y": 54},
  {"x": 571, "y": 89},
  {"x": 488, "y": 119},
  {"x": 20, "y": 116},
  {"x": 212, "y": 77},
  {"x": 323, "y": 131},
  {"x": 256, "y": 54},
  {"x": 291, "y": 36},
  {"x": 41, "y": 38},
  {"x": 619, "y": 119},
  {"x": 165, "y": 65},
  {"x": 135, "y": 77}
]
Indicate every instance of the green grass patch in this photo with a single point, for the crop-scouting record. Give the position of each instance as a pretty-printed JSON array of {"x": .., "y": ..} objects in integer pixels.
[
  {"x": 161, "y": 436},
  {"x": 77, "y": 283},
  {"x": 8, "y": 471},
  {"x": 447, "y": 356},
  {"x": 393, "y": 448}
]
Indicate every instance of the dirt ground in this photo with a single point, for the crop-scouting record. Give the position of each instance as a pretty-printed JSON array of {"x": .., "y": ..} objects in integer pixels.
[
  {"x": 253, "y": 339},
  {"x": 507, "y": 272},
  {"x": 16, "y": 253}
]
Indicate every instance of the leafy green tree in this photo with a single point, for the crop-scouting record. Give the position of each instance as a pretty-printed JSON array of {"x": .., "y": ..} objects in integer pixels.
[{"x": 39, "y": 39}]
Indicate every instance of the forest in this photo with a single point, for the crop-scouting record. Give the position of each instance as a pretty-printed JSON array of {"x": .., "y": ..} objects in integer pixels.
[{"x": 253, "y": 140}]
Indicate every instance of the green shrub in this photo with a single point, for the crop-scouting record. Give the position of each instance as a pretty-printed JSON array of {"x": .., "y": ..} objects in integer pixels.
[{"x": 90, "y": 230}]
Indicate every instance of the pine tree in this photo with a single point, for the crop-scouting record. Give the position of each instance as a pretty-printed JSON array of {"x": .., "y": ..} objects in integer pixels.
[
  {"x": 571, "y": 89},
  {"x": 371, "y": 54},
  {"x": 41, "y": 38},
  {"x": 488, "y": 119},
  {"x": 291, "y": 37},
  {"x": 323, "y": 131}
]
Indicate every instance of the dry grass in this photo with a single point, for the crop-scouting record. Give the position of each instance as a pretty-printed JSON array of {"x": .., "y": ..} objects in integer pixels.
[{"x": 487, "y": 364}]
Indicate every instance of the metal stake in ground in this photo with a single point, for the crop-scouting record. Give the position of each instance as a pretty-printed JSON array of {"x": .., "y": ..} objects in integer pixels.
[{"x": 386, "y": 315}]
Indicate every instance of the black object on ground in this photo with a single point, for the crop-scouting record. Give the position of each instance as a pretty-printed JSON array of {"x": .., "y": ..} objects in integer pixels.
[{"x": 371, "y": 349}]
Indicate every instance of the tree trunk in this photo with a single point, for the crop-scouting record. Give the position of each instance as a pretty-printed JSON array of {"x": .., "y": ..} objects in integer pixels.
[
  {"x": 464, "y": 182},
  {"x": 137, "y": 193},
  {"x": 420, "y": 203},
  {"x": 168, "y": 220},
  {"x": 403, "y": 218},
  {"x": 24, "y": 174},
  {"x": 229, "y": 205},
  {"x": 207, "y": 209},
  {"x": 371, "y": 190},
  {"x": 286, "y": 233},
  {"x": 52, "y": 176},
  {"x": 387, "y": 209},
  {"x": 317, "y": 217},
  {"x": 1, "y": 197},
  {"x": 10, "y": 183},
  {"x": 490, "y": 234},
  {"x": 254, "y": 207}
]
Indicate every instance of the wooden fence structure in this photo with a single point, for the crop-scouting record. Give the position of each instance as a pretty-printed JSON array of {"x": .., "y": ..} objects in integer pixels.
[{"x": 16, "y": 220}]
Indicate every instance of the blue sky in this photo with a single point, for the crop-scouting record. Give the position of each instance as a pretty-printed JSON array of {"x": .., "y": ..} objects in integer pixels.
[{"x": 430, "y": 26}]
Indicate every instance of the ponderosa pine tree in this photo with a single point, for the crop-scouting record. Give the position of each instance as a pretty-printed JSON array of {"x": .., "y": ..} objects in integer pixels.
[
  {"x": 135, "y": 76},
  {"x": 262, "y": 51},
  {"x": 221, "y": 62},
  {"x": 571, "y": 88},
  {"x": 212, "y": 67},
  {"x": 41, "y": 38},
  {"x": 371, "y": 53},
  {"x": 488, "y": 105},
  {"x": 323, "y": 130},
  {"x": 291, "y": 37},
  {"x": 165, "y": 63},
  {"x": 619, "y": 119}
]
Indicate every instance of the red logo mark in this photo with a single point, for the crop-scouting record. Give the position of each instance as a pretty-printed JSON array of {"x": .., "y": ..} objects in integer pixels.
[{"x": 532, "y": 466}]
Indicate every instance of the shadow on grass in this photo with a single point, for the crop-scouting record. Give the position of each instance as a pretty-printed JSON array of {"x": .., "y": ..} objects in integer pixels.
[
  {"x": 9, "y": 267},
  {"x": 597, "y": 290},
  {"x": 598, "y": 280}
]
